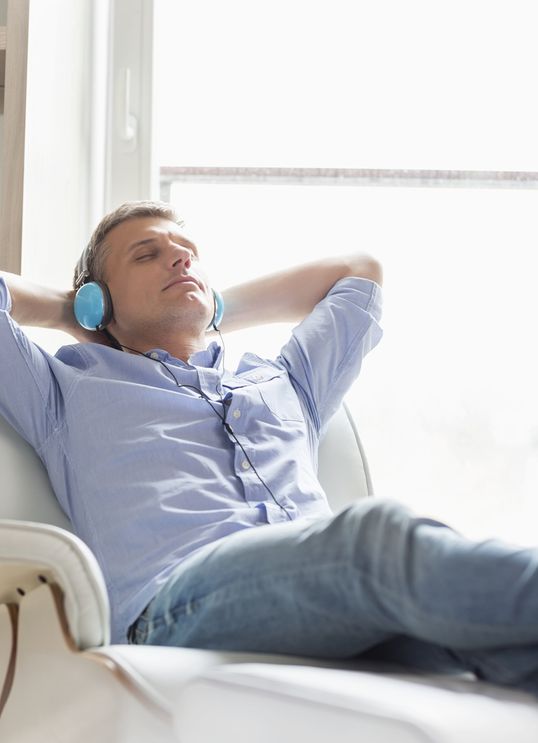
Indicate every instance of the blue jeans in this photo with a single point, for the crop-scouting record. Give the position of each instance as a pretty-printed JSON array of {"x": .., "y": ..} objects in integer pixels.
[{"x": 372, "y": 581}]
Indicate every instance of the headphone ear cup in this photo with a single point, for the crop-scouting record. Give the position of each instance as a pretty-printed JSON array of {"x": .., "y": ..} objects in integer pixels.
[
  {"x": 93, "y": 306},
  {"x": 218, "y": 312}
]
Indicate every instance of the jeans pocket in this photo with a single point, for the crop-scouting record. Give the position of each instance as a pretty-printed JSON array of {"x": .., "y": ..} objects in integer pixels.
[
  {"x": 139, "y": 629},
  {"x": 135, "y": 634}
]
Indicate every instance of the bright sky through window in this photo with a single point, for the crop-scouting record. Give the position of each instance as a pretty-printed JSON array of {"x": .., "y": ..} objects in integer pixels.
[
  {"x": 348, "y": 83},
  {"x": 447, "y": 405}
]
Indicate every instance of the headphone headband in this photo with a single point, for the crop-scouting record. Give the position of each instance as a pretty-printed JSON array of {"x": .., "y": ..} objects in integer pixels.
[{"x": 93, "y": 303}]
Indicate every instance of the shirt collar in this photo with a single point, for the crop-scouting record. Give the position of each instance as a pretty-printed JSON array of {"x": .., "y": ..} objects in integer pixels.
[{"x": 209, "y": 357}]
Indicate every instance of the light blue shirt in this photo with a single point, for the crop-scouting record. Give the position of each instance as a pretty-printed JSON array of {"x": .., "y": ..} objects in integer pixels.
[{"x": 146, "y": 471}]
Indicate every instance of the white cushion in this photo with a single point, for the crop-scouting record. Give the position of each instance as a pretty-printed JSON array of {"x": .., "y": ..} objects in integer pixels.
[
  {"x": 167, "y": 670},
  {"x": 304, "y": 703}
]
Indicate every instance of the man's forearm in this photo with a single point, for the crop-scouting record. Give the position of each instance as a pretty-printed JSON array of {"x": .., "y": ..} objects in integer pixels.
[
  {"x": 38, "y": 305},
  {"x": 290, "y": 295}
]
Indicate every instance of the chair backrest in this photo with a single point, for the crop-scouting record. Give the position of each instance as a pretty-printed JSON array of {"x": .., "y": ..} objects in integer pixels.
[
  {"x": 342, "y": 464},
  {"x": 26, "y": 493}
]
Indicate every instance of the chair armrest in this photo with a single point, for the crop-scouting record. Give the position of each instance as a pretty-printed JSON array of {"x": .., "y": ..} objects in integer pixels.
[{"x": 31, "y": 553}]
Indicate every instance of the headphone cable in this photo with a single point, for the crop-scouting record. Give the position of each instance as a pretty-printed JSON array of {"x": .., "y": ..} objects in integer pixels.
[{"x": 228, "y": 428}]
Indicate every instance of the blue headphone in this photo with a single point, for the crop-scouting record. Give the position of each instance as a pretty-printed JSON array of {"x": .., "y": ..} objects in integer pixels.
[{"x": 93, "y": 304}]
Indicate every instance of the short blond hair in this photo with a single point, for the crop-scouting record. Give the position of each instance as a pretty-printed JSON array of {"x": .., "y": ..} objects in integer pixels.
[{"x": 97, "y": 250}]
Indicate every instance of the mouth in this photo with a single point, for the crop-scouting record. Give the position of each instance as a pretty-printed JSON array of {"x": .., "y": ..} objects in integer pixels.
[{"x": 182, "y": 280}]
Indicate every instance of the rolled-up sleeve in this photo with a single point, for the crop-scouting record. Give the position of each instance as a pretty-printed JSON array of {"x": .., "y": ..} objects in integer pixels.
[
  {"x": 29, "y": 396},
  {"x": 325, "y": 353}
]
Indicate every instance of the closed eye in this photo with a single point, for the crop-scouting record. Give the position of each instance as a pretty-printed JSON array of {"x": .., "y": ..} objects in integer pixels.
[{"x": 148, "y": 255}]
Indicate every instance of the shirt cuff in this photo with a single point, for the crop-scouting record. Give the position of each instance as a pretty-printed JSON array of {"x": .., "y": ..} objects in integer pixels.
[
  {"x": 364, "y": 293},
  {"x": 5, "y": 297}
]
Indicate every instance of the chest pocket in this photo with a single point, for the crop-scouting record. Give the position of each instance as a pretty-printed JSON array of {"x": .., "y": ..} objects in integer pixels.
[{"x": 275, "y": 390}]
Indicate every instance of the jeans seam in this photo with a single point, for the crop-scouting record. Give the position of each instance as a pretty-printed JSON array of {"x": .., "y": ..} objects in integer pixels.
[
  {"x": 382, "y": 590},
  {"x": 420, "y": 616},
  {"x": 197, "y": 602}
]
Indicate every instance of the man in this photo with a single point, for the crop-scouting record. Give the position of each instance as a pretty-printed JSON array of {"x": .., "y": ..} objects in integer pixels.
[{"x": 168, "y": 466}]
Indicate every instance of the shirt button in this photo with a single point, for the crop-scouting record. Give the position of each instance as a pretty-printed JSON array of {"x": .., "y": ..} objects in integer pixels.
[
  {"x": 236, "y": 414},
  {"x": 245, "y": 465},
  {"x": 154, "y": 355}
]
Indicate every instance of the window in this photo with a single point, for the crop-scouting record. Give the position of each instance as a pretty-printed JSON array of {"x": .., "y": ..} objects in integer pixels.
[{"x": 425, "y": 111}]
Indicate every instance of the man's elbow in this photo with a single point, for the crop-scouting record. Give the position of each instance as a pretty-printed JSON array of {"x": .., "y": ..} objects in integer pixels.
[{"x": 365, "y": 266}]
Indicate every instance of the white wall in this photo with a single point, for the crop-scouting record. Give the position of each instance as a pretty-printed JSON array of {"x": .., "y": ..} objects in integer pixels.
[
  {"x": 64, "y": 154},
  {"x": 57, "y": 152}
]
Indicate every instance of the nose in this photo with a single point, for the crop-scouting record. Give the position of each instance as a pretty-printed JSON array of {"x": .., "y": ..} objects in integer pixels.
[{"x": 179, "y": 254}]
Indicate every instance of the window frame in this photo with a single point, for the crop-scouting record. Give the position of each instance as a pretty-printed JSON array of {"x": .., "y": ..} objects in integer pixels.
[{"x": 347, "y": 176}]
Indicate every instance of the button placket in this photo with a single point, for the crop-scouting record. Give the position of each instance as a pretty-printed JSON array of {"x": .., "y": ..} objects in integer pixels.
[
  {"x": 209, "y": 380},
  {"x": 243, "y": 465}
]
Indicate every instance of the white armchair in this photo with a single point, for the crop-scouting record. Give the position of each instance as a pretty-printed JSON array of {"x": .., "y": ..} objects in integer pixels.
[{"x": 61, "y": 681}]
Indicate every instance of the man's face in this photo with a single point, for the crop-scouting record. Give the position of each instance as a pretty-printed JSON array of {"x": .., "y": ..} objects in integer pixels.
[{"x": 155, "y": 279}]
